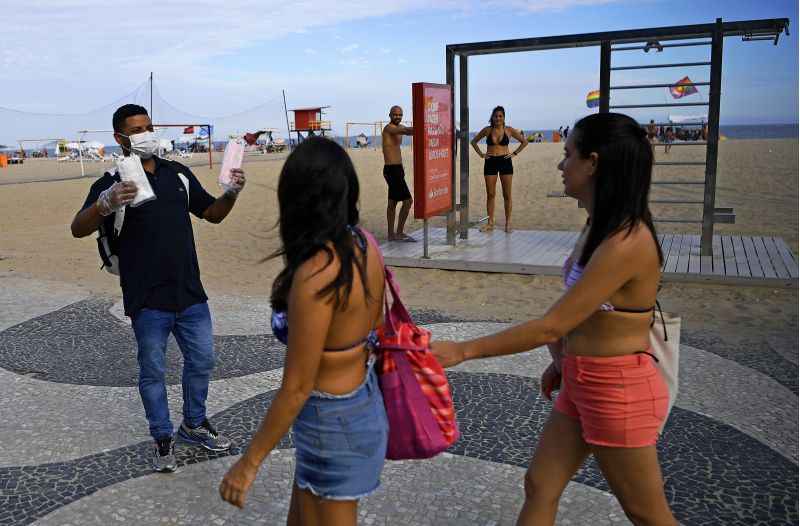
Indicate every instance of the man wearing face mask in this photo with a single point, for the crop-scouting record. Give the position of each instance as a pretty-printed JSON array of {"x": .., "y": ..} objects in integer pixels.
[{"x": 160, "y": 278}]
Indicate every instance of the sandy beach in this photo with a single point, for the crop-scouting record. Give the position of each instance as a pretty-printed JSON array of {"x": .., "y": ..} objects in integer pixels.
[{"x": 758, "y": 178}]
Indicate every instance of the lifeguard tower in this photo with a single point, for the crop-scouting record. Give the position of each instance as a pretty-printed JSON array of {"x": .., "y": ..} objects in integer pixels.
[{"x": 309, "y": 121}]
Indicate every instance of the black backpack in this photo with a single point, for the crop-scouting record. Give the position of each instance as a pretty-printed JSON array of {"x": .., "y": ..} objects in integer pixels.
[{"x": 110, "y": 229}]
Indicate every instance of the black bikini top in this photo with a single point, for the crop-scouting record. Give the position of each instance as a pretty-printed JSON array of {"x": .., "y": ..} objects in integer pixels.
[{"x": 503, "y": 141}]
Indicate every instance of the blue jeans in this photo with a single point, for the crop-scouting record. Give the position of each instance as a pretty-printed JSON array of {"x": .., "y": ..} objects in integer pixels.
[{"x": 192, "y": 330}]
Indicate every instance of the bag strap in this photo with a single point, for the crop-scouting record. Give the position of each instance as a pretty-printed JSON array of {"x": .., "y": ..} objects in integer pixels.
[
  {"x": 398, "y": 308},
  {"x": 663, "y": 322}
]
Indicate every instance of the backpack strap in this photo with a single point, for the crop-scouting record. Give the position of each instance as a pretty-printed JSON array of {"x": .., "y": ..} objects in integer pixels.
[
  {"x": 119, "y": 215},
  {"x": 185, "y": 181}
]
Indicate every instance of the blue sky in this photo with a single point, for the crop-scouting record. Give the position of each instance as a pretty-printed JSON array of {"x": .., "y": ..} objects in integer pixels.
[{"x": 219, "y": 58}]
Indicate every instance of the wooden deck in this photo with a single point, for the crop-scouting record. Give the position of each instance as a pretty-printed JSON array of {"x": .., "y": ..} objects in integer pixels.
[{"x": 757, "y": 260}]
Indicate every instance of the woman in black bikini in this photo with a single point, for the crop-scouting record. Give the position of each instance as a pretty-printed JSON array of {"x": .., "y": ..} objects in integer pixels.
[{"x": 498, "y": 162}]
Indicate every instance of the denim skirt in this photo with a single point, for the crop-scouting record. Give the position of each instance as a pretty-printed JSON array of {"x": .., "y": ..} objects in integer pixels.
[{"x": 340, "y": 442}]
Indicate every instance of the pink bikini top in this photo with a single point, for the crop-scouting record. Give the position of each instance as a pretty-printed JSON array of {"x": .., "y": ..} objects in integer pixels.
[{"x": 572, "y": 272}]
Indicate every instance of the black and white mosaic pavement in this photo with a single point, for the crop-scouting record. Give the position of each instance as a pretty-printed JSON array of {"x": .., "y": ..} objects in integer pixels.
[
  {"x": 718, "y": 468},
  {"x": 83, "y": 344}
]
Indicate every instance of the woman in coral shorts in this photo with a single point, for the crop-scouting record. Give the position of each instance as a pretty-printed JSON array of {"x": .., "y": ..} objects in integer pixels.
[{"x": 612, "y": 400}]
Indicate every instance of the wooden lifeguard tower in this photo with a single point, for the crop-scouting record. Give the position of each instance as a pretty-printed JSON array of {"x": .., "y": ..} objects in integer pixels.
[{"x": 309, "y": 121}]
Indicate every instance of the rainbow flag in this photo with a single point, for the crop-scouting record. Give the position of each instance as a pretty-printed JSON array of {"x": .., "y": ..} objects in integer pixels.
[
  {"x": 593, "y": 99},
  {"x": 680, "y": 89}
]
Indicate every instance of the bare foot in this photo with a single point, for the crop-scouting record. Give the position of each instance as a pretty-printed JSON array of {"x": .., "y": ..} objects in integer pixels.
[
  {"x": 488, "y": 227},
  {"x": 509, "y": 229},
  {"x": 404, "y": 237}
]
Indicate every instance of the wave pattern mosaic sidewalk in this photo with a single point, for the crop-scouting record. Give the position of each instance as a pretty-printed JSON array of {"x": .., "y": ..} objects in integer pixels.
[{"x": 722, "y": 464}]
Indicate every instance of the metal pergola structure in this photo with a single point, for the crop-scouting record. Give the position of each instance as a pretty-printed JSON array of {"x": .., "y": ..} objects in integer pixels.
[{"x": 612, "y": 41}]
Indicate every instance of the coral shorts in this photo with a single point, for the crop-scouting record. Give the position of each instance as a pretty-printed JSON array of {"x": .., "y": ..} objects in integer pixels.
[{"x": 620, "y": 401}]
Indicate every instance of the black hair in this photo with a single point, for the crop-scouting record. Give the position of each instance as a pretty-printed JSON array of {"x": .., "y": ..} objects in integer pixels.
[
  {"x": 496, "y": 109},
  {"x": 622, "y": 177},
  {"x": 318, "y": 201},
  {"x": 123, "y": 112}
]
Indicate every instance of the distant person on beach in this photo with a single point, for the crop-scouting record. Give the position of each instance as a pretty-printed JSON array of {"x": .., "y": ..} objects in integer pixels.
[
  {"x": 160, "y": 278},
  {"x": 391, "y": 140},
  {"x": 498, "y": 162},
  {"x": 612, "y": 399},
  {"x": 327, "y": 303},
  {"x": 669, "y": 138},
  {"x": 566, "y": 133},
  {"x": 651, "y": 131}
]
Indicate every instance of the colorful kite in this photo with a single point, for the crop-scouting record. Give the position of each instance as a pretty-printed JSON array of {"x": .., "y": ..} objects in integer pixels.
[
  {"x": 593, "y": 99},
  {"x": 682, "y": 88}
]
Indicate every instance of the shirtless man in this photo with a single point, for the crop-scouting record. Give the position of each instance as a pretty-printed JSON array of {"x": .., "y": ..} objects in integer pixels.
[
  {"x": 651, "y": 131},
  {"x": 391, "y": 139}
]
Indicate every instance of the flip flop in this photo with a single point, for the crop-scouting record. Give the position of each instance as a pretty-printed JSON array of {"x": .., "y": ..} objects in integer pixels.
[
  {"x": 486, "y": 228},
  {"x": 405, "y": 238}
]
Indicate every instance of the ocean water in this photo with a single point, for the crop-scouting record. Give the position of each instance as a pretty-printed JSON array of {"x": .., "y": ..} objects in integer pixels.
[
  {"x": 763, "y": 131},
  {"x": 750, "y": 131}
]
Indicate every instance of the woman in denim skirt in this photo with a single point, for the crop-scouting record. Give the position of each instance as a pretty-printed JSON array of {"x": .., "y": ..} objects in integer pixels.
[{"x": 326, "y": 304}]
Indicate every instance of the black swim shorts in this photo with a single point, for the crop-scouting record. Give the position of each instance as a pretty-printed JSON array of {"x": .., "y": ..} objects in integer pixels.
[
  {"x": 396, "y": 179},
  {"x": 497, "y": 165}
]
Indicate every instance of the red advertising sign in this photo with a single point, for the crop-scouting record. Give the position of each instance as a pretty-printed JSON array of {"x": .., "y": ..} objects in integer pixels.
[{"x": 433, "y": 154}]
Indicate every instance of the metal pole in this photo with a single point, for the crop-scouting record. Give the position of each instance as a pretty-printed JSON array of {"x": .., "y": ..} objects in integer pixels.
[
  {"x": 210, "y": 147},
  {"x": 605, "y": 76},
  {"x": 450, "y": 60},
  {"x": 80, "y": 153},
  {"x": 712, "y": 149},
  {"x": 288, "y": 128},
  {"x": 151, "y": 96},
  {"x": 464, "y": 153},
  {"x": 425, "y": 254}
]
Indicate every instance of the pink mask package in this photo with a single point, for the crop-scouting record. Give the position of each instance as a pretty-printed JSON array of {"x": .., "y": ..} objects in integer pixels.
[{"x": 234, "y": 154}]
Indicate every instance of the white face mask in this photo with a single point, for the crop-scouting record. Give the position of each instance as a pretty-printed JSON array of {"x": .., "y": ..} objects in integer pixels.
[{"x": 144, "y": 144}]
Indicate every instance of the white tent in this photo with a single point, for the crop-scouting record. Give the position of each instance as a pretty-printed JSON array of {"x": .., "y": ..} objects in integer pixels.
[{"x": 688, "y": 119}]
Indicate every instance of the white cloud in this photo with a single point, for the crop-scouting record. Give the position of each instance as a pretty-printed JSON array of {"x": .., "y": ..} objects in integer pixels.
[
  {"x": 309, "y": 51},
  {"x": 537, "y": 6},
  {"x": 348, "y": 49},
  {"x": 355, "y": 61},
  {"x": 401, "y": 60},
  {"x": 86, "y": 41}
]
